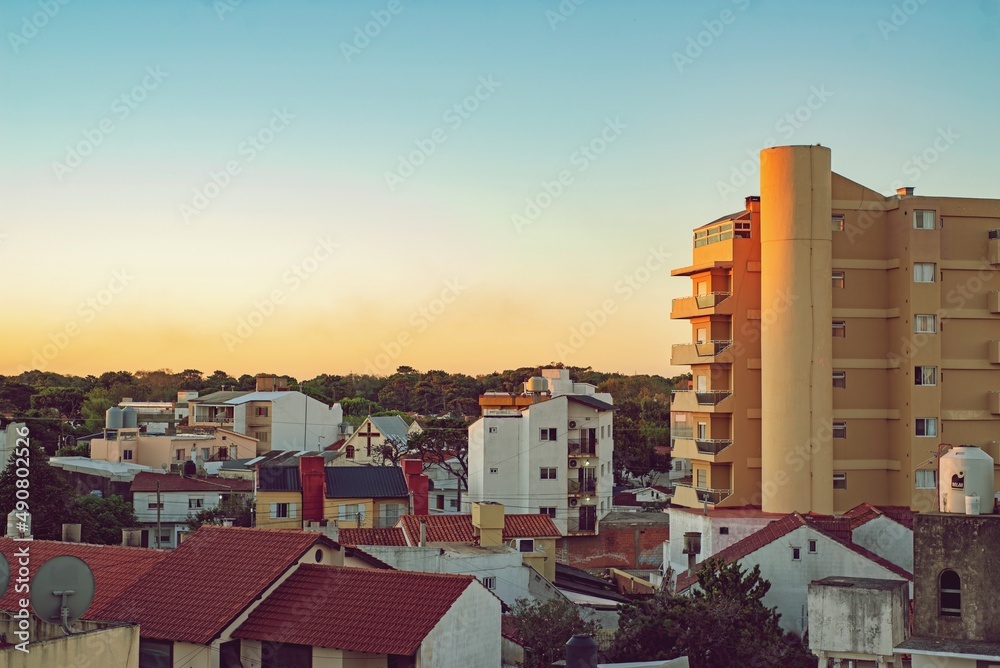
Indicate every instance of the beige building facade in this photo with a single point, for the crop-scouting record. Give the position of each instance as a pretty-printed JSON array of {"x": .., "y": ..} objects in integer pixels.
[{"x": 838, "y": 336}]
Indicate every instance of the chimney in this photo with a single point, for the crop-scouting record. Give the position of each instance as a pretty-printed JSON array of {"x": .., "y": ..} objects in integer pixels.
[
  {"x": 313, "y": 477},
  {"x": 417, "y": 484},
  {"x": 71, "y": 533},
  {"x": 906, "y": 191},
  {"x": 423, "y": 532},
  {"x": 753, "y": 203},
  {"x": 487, "y": 523},
  {"x": 692, "y": 547}
]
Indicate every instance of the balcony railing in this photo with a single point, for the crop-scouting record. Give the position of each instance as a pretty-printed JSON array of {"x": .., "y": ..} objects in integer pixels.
[
  {"x": 703, "y": 301},
  {"x": 713, "y": 496},
  {"x": 707, "y": 397},
  {"x": 679, "y": 431},
  {"x": 578, "y": 447},
  {"x": 577, "y": 525},
  {"x": 712, "y": 446},
  {"x": 585, "y": 487}
]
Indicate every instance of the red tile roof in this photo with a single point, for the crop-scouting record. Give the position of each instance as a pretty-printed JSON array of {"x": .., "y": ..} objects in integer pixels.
[
  {"x": 115, "y": 568},
  {"x": 458, "y": 528},
  {"x": 353, "y": 537},
  {"x": 199, "y": 589},
  {"x": 355, "y": 609},
  {"x": 337, "y": 445},
  {"x": 146, "y": 482},
  {"x": 776, "y": 530}
]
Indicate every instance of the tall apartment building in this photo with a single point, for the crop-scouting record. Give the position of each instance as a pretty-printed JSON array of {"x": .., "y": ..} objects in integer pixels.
[
  {"x": 548, "y": 450},
  {"x": 838, "y": 336}
]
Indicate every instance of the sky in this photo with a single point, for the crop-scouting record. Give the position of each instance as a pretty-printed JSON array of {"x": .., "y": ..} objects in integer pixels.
[{"x": 309, "y": 187}]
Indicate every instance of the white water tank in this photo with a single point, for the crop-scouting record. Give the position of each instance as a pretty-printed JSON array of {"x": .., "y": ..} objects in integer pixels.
[
  {"x": 536, "y": 384},
  {"x": 966, "y": 471},
  {"x": 113, "y": 418}
]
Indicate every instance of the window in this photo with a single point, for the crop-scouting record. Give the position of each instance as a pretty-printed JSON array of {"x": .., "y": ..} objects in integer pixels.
[
  {"x": 526, "y": 545},
  {"x": 840, "y": 480},
  {"x": 260, "y": 435},
  {"x": 165, "y": 539},
  {"x": 602, "y": 431},
  {"x": 923, "y": 272},
  {"x": 837, "y": 222},
  {"x": 196, "y": 502},
  {"x": 490, "y": 582},
  {"x": 723, "y": 531},
  {"x": 840, "y": 430},
  {"x": 453, "y": 504},
  {"x": 548, "y": 510},
  {"x": 838, "y": 279},
  {"x": 839, "y": 329},
  {"x": 548, "y": 473},
  {"x": 925, "y": 324},
  {"x": 812, "y": 547},
  {"x": 950, "y": 594},
  {"x": 923, "y": 220},
  {"x": 840, "y": 379},
  {"x": 282, "y": 510},
  {"x": 156, "y": 652},
  {"x": 702, "y": 478},
  {"x": 549, "y": 434},
  {"x": 284, "y": 655},
  {"x": 205, "y": 453},
  {"x": 925, "y": 375},
  {"x": 349, "y": 452},
  {"x": 796, "y": 553},
  {"x": 261, "y": 411},
  {"x": 127, "y": 455},
  {"x": 351, "y": 512},
  {"x": 180, "y": 454},
  {"x": 926, "y": 426},
  {"x": 440, "y": 502},
  {"x": 494, "y": 470},
  {"x": 493, "y": 430},
  {"x": 925, "y": 479},
  {"x": 609, "y": 431},
  {"x": 153, "y": 505}
]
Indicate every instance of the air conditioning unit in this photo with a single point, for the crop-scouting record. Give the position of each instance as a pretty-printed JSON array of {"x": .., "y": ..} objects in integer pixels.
[
  {"x": 573, "y": 503},
  {"x": 573, "y": 463},
  {"x": 572, "y": 424}
]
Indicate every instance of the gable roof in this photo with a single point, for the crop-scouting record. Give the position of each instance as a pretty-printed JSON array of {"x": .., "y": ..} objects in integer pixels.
[
  {"x": 195, "y": 591},
  {"x": 247, "y": 397},
  {"x": 866, "y": 512},
  {"x": 392, "y": 427},
  {"x": 590, "y": 401},
  {"x": 217, "y": 397},
  {"x": 362, "y": 482},
  {"x": 355, "y": 609},
  {"x": 778, "y": 529},
  {"x": 278, "y": 479},
  {"x": 392, "y": 537},
  {"x": 115, "y": 567},
  {"x": 458, "y": 528},
  {"x": 147, "y": 481}
]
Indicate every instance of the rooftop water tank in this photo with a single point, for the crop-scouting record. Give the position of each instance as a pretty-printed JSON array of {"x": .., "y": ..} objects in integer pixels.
[
  {"x": 536, "y": 384},
  {"x": 966, "y": 471},
  {"x": 130, "y": 418},
  {"x": 113, "y": 418}
]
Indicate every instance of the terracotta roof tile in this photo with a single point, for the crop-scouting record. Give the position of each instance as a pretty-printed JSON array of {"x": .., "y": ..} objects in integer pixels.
[
  {"x": 115, "y": 568},
  {"x": 198, "y": 589},
  {"x": 354, "y": 537},
  {"x": 458, "y": 528},
  {"x": 146, "y": 482},
  {"x": 355, "y": 609}
]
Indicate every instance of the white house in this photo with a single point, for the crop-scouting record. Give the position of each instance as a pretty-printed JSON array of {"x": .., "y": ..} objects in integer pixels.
[{"x": 373, "y": 434}]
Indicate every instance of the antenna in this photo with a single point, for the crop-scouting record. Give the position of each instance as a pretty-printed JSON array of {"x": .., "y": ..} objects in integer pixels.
[{"x": 62, "y": 590}]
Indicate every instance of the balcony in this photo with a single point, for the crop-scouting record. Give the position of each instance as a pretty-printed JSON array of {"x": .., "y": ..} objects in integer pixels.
[
  {"x": 689, "y": 307},
  {"x": 712, "y": 352},
  {"x": 581, "y": 526},
  {"x": 712, "y": 446},
  {"x": 582, "y": 447},
  {"x": 695, "y": 401},
  {"x": 578, "y": 488},
  {"x": 686, "y": 494}
]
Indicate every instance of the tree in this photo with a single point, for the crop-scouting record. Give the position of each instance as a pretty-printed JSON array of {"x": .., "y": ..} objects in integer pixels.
[
  {"x": 445, "y": 442},
  {"x": 102, "y": 520},
  {"x": 95, "y": 405},
  {"x": 545, "y": 628},
  {"x": 50, "y": 500},
  {"x": 724, "y": 624},
  {"x": 236, "y": 507},
  {"x": 62, "y": 401}
]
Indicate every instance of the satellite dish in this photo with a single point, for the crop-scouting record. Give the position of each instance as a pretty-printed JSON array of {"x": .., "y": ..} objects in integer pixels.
[
  {"x": 62, "y": 590},
  {"x": 4, "y": 574}
]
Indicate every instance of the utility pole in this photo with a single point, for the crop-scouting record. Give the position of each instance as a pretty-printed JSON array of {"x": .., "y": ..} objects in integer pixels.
[{"x": 158, "y": 506}]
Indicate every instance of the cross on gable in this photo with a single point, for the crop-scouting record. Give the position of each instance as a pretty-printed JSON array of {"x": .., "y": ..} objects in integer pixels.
[{"x": 368, "y": 436}]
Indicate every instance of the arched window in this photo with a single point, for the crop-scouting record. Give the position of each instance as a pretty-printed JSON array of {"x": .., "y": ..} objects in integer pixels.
[
  {"x": 350, "y": 451},
  {"x": 950, "y": 594}
]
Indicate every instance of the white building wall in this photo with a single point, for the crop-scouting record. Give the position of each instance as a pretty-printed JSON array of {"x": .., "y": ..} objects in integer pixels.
[
  {"x": 540, "y": 454},
  {"x": 176, "y": 505},
  {"x": 299, "y": 422},
  {"x": 888, "y": 539},
  {"x": 921, "y": 661},
  {"x": 712, "y": 540},
  {"x": 240, "y": 419},
  {"x": 494, "y": 444},
  {"x": 8, "y": 440},
  {"x": 467, "y": 635}
]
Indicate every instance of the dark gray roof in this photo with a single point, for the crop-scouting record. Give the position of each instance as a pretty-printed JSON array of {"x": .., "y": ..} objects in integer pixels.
[
  {"x": 278, "y": 479},
  {"x": 364, "y": 482},
  {"x": 591, "y": 401},
  {"x": 392, "y": 427},
  {"x": 970, "y": 648},
  {"x": 859, "y": 583},
  {"x": 582, "y": 582},
  {"x": 216, "y": 397}
]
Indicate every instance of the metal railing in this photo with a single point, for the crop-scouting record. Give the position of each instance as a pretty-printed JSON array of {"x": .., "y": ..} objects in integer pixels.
[
  {"x": 706, "y": 493},
  {"x": 585, "y": 487},
  {"x": 712, "y": 446},
  {"x": 707, "y": 397},
  {"x": 703, "y": 301},
  {"x": 584, "y": 446}
]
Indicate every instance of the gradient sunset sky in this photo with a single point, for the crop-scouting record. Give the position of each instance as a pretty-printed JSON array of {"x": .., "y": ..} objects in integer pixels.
[{"x": 112, "y": 260}]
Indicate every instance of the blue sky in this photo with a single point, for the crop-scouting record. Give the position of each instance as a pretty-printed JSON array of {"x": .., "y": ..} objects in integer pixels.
[{"x": 311, "y": 122}]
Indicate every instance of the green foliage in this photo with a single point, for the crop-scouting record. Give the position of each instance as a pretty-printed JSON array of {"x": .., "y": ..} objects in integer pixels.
[
  {"x": 236, "y": 507},
  {"x": 724, "y": 625},
  {"x": 78, "y": 450},
  {"x": 441, "y": 439},
  {"x": 95, "y": 405},
  {"x": 545, "y": 628},
  {"x": 50, "y": 500},
  {"x": 102, "y": 520}
]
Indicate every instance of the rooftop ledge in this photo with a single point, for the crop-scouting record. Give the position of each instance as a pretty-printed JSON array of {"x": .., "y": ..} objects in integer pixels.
[{"x": 697, "y": 268}]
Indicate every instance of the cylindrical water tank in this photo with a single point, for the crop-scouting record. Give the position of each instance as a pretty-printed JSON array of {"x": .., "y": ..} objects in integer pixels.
[
  {"x": 536, "y": 384},
  {"x": 18, "y": 524},
  {"x": 130, "y": 418},
  {"x": 113, "y": 418},
  {"x": 966, "y": 471}
]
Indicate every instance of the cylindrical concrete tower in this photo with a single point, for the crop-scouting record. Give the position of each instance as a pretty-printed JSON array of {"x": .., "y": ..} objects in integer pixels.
[{"x": 796, "y": 326}]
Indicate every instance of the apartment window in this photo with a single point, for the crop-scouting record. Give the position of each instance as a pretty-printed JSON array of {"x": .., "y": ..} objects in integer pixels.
[
  {"x": 925, "y": 324},
  {"x": 838, "y": 279},
  {"x": 812, "y": 547},
  {"x": 494, "y": 470},
  {"x": 923, "y": 272},
  {"x": 153, "y": 505},
  {"x": 548, "y": 510},
  {"x": 925, "y": 375},
  {"x": 180, "y": 454},
  {"x": 950, "y": 594},
  {"x": 261, "y": 411},
  {"x": 549, "y": 434},
  {"x": 548, "y": 473},
  {"x": 840, "y": 430},
  {"x": 493, "y": 430},
  {"x": 609, "y": 431},
  {"x": 279, "y": 510},
  {"x": 196, "y": 502},
  {"x": 923, "y": 220},
  {"x": 723, "y": 531},
  {"x": 840, "y": 379},
  {"x": 837, "y": 222},
  {"x": 351, "y": 512},
  {"x": 839, "y": 329},
  {"x": 260, "y": 435},
  {"x": 490, "y": 582},
  {"x": 452, "y": 503},
  {"x": 702, "y": 478},
  {"x": 602, "y": 431},
  {"x": 926, "y": 426},
  {"x": 205, "y": 453},
  {"x": 925, "y": 479},
  {"x": 165, "y": 539},
  {"x": 127, "y": 455},
  {"x": 526, "y": 545},
  {"x": 156, "y": 652},
  {"x": 796, "y": 553},
  {"x": 840, "y": 481},
  {"x": 440, "y": 502}
]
